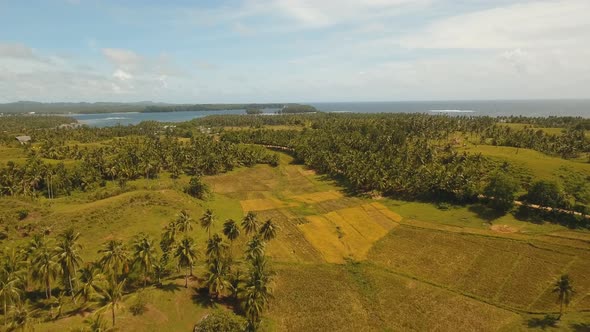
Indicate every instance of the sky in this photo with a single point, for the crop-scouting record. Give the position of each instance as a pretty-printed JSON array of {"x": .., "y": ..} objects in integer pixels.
[{"x": 185, "y": 51}]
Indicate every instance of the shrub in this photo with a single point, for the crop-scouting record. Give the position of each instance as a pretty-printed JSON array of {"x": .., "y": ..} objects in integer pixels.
[
  {"x": 138, "y": 307},
  {"x": 501, "y": 191},
  {"x": 22, "y": 214},
  {"x": 221, "y": 321},
  {"x": 197, "y": 188}
]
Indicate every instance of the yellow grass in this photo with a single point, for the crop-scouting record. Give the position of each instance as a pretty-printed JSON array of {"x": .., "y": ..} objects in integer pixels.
[
  {"x": 318, "y": 197},
  {"x": 261, "y": 204},
  {"x": 347, "y": 232}
]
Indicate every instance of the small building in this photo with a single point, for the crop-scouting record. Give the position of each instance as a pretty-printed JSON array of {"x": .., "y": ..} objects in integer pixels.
[{"x": 23, "y": 139}]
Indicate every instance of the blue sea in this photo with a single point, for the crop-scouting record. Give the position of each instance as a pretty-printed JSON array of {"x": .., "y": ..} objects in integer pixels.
[{"x": 482, "y": 107}]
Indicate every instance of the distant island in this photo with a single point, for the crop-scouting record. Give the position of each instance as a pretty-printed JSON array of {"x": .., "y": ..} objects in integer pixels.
[{"x": 142, "y": 107}]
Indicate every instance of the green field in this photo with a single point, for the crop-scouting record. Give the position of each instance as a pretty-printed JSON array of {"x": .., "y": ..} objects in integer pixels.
[{"x": 342, "y": 263}]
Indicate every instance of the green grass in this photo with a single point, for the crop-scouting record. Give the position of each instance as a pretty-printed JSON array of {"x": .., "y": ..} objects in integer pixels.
[{"x": 540, "y": 165}]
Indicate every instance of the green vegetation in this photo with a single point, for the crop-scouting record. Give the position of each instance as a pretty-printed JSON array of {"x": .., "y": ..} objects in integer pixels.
[{"x": 360, "y": 222}]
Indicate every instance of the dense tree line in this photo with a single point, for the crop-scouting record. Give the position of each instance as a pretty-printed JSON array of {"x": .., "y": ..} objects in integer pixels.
[
  {"x": 124, "y": 159},
  {"x": 206, "y": 107},
  {"x": 550, "y": 121},
  {"x": 570, "y": 144},
  {"x": 20, "y": 124},
  {"x": 55, "y": 267}
]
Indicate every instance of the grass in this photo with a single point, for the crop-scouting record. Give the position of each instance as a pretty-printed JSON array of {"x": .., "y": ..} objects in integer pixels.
[
  {"x": 512, "y": 273},
  {"x": 540, "y": 165},
  {"x": 347, "y": 233},
  {"x": 364, "y": 297}
]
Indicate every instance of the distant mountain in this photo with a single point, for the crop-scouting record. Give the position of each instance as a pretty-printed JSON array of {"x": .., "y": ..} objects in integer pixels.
[{"x": 117, "y": 107}]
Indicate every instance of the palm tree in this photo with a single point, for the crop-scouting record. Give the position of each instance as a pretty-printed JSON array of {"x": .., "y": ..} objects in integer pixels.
[
  {"x": 112, "y": 295},
  {"x": 169, "y": 238},
  {"x": 207, "y": 221},
  {"x": 21, "y": 316},
  {"x": 256, "y": 292},
  {"x": 255, "y": 248},
  {"x": 114, "y": 257},
  {"x": 96, "y": 323},
  {"x": 90, "y": 278},
  {"x": 45, "y": 267},
  {"x": 217, "y": 280},
  {"x": 232, "y": 232},
  {"x": 215, "y": 247},
  {"x": 159, "y": 268},
  {"x": 186, "y": 253},
  {"x": 143, "y": 253},
  {"x": 58, "y": 301},
  {"x": 564, "y": 290},
  {"x": 250, "y": 223},
  {"x": 268, "y": 231},
  {"x": 10, "y": 291},
  {"x": 68, "y": 255},
  {"x": 184, "y": 222}
]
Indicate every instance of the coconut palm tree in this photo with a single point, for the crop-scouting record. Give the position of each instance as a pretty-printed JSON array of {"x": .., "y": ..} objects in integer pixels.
[
  {"x": 169, "y": 238},
  {"x": 45, "y": 267},
  {"x": 255, "y": 248},
  {"x": 10, "y": 291},
  {"x": 564, "y": 290},
  {"x": 256, "y": 292},
  {"x": 21, "y": 316},
  {"x": 250, "y": 223},
  {"x": 159, "y": 268},
  {"x": 143, "y": 255},
  {"x": 115, "y": 257},
  {"x": 232, "y": 232},
  {"x": 217, "y": 280},
  {"x": 96, "y": 323},
  {"x": 58, "y": 301},
  {"x": 186, "y": 253},
  {"x": 215, "y": 248},
  {"x": 184, "y": 222},
  {"x": 268, "y": 230},
  {"x": 68, "y": 256},
  {"x": 112, "y": 295},
  {"x": 90, "y": 278},
  {"x": 207, "y": 221}
]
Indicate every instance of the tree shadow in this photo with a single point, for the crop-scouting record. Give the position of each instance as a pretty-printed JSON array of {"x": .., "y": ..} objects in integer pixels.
[
  {"x": 486, "y": 213},
  {"x": 170, "y": 287},
  {"x": 581, "y": 327},
  {"x": 201, "y": 297},
  {"x": 542, "y": 323}
]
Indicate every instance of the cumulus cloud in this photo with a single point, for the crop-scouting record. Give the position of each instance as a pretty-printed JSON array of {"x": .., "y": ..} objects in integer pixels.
[
  {"x": 532, "y": 25},
  {"x": 18, "y": 51},
  {"x": 123, "y": 58}
]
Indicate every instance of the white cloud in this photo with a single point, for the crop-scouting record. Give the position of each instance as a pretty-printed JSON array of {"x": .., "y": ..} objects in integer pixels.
[
  {"x": 528, "y": 25},
  {"x": 122, "y": 75},
  {"x": 19, "y": 51},
  {"x": 123, "y": 58}
]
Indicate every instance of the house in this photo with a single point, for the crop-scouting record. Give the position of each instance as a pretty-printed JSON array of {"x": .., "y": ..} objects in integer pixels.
[{"x": 23, "y": 139}]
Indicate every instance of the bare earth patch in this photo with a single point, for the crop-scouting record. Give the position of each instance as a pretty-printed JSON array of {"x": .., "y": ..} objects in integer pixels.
[{"x": 503, "y": 229}]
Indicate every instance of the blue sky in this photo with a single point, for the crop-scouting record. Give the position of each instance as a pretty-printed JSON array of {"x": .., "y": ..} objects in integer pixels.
[{"x": 293, "y": 50}]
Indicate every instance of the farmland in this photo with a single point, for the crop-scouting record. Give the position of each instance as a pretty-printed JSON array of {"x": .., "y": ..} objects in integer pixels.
[{"x": 399, "y": 265}]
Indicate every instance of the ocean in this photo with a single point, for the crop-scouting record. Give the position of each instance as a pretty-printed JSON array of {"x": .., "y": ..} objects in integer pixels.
[{"x": 568, "y": 107}]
